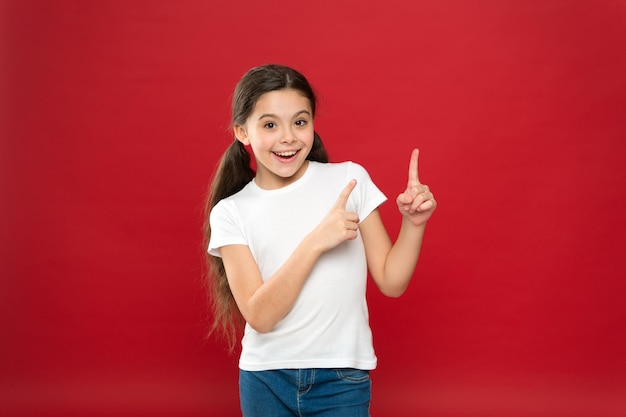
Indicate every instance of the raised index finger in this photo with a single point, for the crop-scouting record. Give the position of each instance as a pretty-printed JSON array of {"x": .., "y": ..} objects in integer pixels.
[
  {"x": 413, "y": 175},
  {"x": 342, "y": 201}
]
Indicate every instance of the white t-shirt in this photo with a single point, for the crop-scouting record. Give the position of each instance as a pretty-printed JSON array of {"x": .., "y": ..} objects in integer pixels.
[{"x": 328, "y": 326}]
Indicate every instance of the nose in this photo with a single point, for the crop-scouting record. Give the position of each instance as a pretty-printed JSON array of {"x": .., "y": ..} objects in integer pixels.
[{"x": 288, "y": 136}]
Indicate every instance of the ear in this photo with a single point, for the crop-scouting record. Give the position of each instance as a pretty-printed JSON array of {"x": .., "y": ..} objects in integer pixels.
[{"x": 241, "y": 134}]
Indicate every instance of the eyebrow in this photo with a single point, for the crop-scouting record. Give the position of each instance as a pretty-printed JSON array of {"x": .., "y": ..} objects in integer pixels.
[{"x": 276, "y": 117}]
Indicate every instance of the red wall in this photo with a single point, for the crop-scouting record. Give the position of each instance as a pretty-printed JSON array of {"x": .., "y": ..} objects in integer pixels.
[{"x": 115, "y": 112}]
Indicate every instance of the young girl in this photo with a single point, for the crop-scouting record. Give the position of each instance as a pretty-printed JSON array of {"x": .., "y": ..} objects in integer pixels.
[{"x": 290, "y": 246}]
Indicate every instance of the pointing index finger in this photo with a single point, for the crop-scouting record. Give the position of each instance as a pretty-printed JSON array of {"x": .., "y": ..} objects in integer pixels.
[
  {"x": 413, "y": 174},
  {"x": 342, "y": 201}
]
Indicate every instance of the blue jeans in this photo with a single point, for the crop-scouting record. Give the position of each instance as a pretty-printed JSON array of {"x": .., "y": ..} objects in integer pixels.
[{"x": 342, "y": 392}]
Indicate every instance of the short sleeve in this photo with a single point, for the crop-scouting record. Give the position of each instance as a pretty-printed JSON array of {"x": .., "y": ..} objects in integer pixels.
[
  {"x": 226, "y": 228},
  {"x": 368, "y": 196}
]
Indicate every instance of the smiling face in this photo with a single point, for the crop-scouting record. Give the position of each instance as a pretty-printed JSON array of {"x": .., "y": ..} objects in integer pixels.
[{"x": 280, "y": 132}]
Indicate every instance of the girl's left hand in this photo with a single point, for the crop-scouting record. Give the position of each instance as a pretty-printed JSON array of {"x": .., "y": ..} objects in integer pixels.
[{"x": 416, "y": 203}]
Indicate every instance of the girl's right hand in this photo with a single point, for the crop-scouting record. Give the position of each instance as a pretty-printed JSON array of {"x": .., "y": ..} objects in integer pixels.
[{"x": 339, "y": 225}]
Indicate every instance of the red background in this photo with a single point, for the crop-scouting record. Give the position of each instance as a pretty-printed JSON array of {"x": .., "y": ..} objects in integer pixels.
[{"x": 114, "y": 114}]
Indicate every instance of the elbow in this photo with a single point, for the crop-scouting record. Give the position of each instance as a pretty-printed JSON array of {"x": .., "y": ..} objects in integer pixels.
[
  {"x": 262, "y": 323},
  {"x": 391, "y": 284},
  {"x": 259, "y": 317},
  {"x": 260, "y": 326},
  {"x": 393, "y": 292}
]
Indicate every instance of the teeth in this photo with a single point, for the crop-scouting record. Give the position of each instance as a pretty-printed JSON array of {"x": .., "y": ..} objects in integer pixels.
[{"x": 285, "y": 154}]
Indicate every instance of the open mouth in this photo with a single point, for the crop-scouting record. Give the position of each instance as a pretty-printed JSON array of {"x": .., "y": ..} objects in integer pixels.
[{"x": 286, "y": 155}]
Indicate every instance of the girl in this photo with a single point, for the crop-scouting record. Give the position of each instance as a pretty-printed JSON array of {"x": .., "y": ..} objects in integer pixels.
[{"x": 290, "y": 246}]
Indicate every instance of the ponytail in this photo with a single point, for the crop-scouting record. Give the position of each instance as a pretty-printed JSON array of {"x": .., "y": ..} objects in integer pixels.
[{"x": 232, "y": 174}]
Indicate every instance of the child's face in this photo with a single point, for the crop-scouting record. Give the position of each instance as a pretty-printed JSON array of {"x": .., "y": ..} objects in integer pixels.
[{"x": 280, "y": 133}]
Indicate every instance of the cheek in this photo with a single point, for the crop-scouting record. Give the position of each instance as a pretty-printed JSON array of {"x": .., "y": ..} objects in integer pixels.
[
  {"x": 263, "y": 140},
  {"x": 308, "y": 137}
]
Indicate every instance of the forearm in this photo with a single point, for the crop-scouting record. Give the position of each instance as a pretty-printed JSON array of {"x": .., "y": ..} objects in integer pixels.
[
  {"x": 274, "y": 299},
  {"x": 402, "y": 259}
]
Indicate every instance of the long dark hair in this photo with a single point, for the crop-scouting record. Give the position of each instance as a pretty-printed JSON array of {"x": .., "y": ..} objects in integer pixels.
[{"x": 234, "y": 172}]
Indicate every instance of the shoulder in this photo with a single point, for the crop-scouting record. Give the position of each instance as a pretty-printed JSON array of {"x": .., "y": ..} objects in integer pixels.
[
  {"x": 331, "y": 175},
  {"x": 349, "y": 169},
  {"x": 224, "y": 208},
  {"x": 228, "y": 207},
  {"x": 334, "y": 176},
  {"x": 354, "y": 170},
  {"x": 244, "y": 193}
]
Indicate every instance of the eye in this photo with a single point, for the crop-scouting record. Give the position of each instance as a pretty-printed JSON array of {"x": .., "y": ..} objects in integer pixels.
[
  {"x": 269, "y": 125},
  {"x": 301, "y": 122}
]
